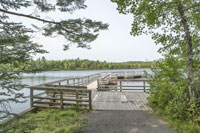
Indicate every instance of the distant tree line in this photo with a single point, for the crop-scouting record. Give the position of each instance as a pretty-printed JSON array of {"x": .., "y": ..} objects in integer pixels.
[{"x": 42, "y": 64}]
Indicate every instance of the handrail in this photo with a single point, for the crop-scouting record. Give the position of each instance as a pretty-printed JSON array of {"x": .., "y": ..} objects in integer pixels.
[
  {"x": 57, "y": 81},
  {"x": 60, "y": 97},
  {"x": 74, "y": 90}
]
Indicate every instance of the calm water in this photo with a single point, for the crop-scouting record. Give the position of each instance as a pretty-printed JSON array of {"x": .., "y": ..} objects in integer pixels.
[{"x": 49, "y": 76}]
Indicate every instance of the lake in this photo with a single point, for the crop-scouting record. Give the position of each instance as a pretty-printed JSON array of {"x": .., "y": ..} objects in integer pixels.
[{"x": 49, "y": 76}]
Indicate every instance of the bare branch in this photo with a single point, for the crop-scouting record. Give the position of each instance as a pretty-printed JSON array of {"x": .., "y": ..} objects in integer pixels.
[
  {"x": 39, "y": 19},
  {"x": 28, "y": 16}
]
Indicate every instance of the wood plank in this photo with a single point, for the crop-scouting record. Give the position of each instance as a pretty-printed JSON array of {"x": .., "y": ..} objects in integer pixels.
[
  {"x": 124, "y": 99},
  {"x": 68, "y": 86},
  {"x": 120, "y": 101}
]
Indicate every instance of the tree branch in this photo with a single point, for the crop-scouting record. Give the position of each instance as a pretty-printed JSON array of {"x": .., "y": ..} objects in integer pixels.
[
  {"x": 36, "y": 18},
  {"x": 28, "y": 16}
]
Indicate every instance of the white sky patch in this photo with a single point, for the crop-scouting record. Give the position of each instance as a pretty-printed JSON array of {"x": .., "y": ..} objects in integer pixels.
[{"x": 113, "y": 45}]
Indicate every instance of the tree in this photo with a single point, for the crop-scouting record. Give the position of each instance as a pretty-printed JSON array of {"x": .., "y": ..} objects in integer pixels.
[
  {"x": 17, "y": 47},
  {"x": 173, "y": 23}
]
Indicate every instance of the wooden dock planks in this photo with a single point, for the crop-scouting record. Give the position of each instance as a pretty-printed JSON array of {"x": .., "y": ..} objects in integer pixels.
[
  {"x": 114, "y": 100},
  {"x": 84, "y": 90}
]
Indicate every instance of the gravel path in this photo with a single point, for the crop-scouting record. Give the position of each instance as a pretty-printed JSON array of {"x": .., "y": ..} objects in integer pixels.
[{"x": 125, "y": 122}]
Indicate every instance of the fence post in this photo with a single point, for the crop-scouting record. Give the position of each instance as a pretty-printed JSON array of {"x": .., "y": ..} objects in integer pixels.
[
  {"x": 99, "y": 75},
  {"x": 144, "y": 86},
  {"x": 90, "y": 99},
  {"x": 120, "y": 85},
  {"x": 54, "y": 96},
  {"x": 73, "y": 81},
  {"x": 77, "y": 98},
  {"x": 31, "y": 97},
  {"x": 61, "y": 100},
  {"x": 59, "y": 83},
  {"x": 67, "y": 82}
]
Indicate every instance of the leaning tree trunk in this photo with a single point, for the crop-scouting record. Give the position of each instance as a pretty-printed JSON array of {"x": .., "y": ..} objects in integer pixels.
[{"x": 190, "y": 73}]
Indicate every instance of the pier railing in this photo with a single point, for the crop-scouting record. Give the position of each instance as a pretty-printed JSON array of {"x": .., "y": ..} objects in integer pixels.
[
  {"x": 124, "y": 81},
  {"x": 63, "y": 93},
  {"x": 78, "y": 81},
  {"x": 73, "y": 91},
  {"x": 60, "y": 97},
  {"x": 119, "y": 86}
]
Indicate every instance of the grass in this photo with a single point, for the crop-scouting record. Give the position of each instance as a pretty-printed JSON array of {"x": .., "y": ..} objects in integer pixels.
[
  {"x": 184, "y": 126},
  {"x": 179, "y": 126},
  {"x": 46, "y": 121}
]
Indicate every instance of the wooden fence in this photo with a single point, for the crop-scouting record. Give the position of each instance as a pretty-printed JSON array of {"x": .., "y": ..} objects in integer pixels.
[
  {"x": 73, "y": 91},
  {"x": 78, "y": 81},
  {"x": 63, "y": 93},
  {"x": 60, "y": 97},
  {"x": 119, "y": 86}
]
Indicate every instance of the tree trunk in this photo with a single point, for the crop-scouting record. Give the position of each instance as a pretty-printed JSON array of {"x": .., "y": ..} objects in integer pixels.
[{"x": 190, "y": 73}]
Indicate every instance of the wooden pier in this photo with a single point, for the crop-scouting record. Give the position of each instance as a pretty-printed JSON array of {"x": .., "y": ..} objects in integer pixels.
[
  {"x": 115, "y": 100},
  {"x": 101, "y": 91}
]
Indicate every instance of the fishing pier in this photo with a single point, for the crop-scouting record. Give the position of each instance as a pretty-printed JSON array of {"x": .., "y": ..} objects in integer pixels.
[{"x": 100, "y": 91}]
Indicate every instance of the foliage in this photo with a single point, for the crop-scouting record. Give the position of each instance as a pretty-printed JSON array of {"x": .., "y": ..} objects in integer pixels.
[
  {"x": 16, "y": 48},
  {"x": 175, "y": 81},
  {"x": 77, "y": 64},
  {"x": 169, "y": 95},
  {"x": 75, "y": 31},
  {"x": 162, "y": 20},
  {"x": 48, "y": 121},
  {"x": 16, "y": 41},
  {"x": 172, "y": 23}
]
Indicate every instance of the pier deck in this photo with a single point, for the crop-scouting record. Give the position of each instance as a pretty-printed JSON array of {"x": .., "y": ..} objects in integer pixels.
[
  {"x": 101, "y": 91},
  {"x": 115, "y": 100}
]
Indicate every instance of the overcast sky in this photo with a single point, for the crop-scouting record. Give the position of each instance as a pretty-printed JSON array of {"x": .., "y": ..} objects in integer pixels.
[{"x": 113, "y": 45}]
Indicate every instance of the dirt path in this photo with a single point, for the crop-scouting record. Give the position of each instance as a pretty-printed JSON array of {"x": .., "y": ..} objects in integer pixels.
[{"x": 125, "y": 122}]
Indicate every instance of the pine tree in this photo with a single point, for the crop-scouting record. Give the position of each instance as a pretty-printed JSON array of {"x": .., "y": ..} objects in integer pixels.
[{"x": 17, "y": 47}]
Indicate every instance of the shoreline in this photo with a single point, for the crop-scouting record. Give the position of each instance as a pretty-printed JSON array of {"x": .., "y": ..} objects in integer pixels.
[{"x": 90, "y": 70}]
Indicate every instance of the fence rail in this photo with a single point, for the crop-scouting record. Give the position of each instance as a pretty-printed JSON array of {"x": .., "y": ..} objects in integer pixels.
[
  {"x": 63, "y": 93},
  {"x": 60, "y": 97},
  {"x": 78, "y": 81},
  {"x": 119, "y": 86},
  {"x": 73, "y": 91}
]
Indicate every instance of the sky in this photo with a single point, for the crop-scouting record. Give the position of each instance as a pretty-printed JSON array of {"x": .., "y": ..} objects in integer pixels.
[{"x": 113, "y": 45}]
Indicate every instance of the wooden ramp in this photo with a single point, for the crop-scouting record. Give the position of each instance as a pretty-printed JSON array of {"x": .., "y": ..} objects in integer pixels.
[{"x": 115, "y": 100}]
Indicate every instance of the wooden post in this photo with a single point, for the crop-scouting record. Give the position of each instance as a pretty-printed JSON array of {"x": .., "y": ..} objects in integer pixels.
[
  {"x": 77, "y": 102},
  {"x": 144, "y": 86},
  {"x": 120, "y": 84},
  {"x": 99, "y": 75},
  {"x": 73, "y": 81},
  {"x": 31, "y": 97},
  {"x": 88, "y": 79},
  {"x": 54, "y": 95},
  {"x": 67, "y": 82},
  {"x": 80, "y": 96},
  {"x": 97, "y": 84},
  {"x": 61, "y": 100},
  {"x": 59, "y": 83},
  {"x": 82, "y": 81},
  {"x": 90, "y": 100}
]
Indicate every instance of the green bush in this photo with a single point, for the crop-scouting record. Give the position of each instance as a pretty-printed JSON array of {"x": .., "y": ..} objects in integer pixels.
[{"x": 169, "y": 95}]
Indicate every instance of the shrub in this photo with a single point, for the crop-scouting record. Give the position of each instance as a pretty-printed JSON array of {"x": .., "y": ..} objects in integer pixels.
[{"x": 169, "y": 94}]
